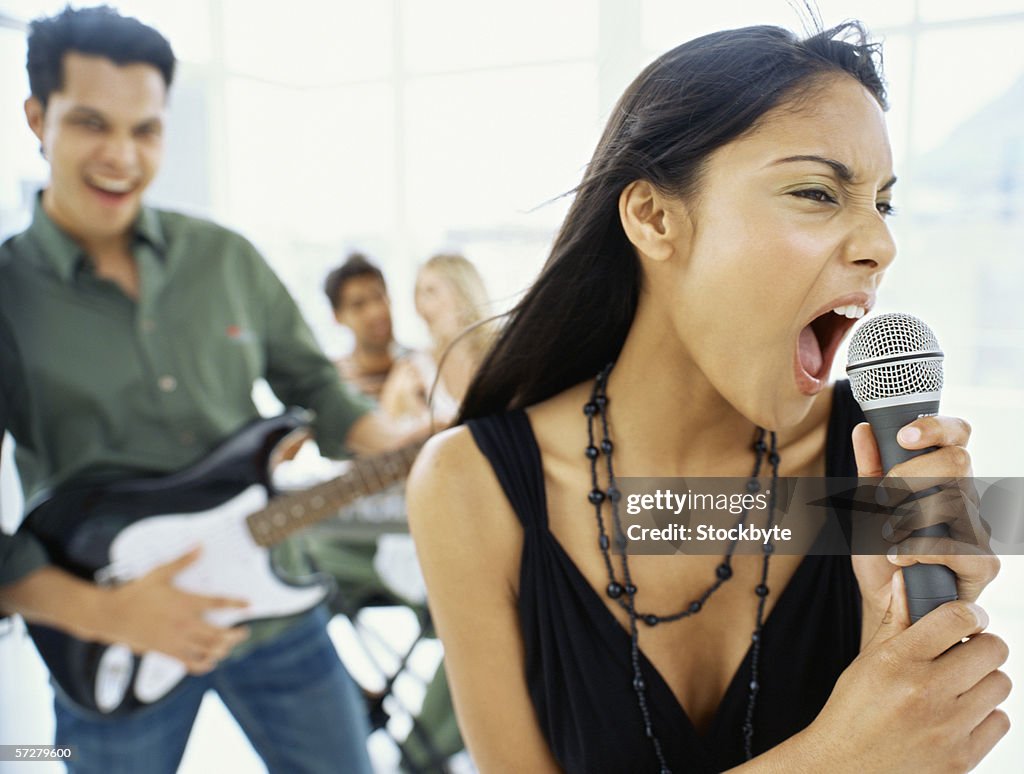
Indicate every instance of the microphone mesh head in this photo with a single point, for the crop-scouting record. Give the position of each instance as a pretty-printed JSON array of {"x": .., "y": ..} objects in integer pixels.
[{"x": 893, "y": 355}]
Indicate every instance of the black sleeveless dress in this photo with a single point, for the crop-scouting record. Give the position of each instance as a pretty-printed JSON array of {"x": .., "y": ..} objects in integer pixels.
[{"x": 578, "y": 670}]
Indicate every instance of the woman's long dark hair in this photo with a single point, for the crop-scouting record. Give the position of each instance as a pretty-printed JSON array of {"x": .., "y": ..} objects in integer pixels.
[{"x": 687, "y": 103}]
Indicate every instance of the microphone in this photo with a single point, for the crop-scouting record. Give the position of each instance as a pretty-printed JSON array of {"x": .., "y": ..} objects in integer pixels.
[{"x": 895, "y": 370}]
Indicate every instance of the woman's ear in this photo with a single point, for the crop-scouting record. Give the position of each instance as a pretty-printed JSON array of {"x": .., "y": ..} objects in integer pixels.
[{"x": 651, "y": 220}]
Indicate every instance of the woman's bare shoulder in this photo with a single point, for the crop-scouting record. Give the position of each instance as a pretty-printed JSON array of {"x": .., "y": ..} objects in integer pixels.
[
  {"x": 446, "y": 464},
  {"x": 456, "y": 505},
  {"x": 452, "y": 467},
  {"x": 469, "y": 544}
]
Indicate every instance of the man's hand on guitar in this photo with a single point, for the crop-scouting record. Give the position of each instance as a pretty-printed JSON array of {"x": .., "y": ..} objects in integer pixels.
[{"x": 151, "y": 613}]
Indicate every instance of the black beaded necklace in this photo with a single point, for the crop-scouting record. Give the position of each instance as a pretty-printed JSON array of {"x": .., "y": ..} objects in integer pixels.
[{"x": 624, "y": 592}]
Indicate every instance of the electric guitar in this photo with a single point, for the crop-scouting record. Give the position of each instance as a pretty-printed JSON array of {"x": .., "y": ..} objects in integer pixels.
[{"x": 224, "y": 503}]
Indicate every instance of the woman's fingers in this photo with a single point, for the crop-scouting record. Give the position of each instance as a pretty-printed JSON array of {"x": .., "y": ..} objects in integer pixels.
[
  {"x": 984, "y": 737},
  {"x": 926, "y": 508},
  {"x": 934, "y": 431},
  {"x": 865, "y": 451},
  {"x": 938, "y": 631},
  {"x": 975, "y": 567},
  {"x": 969, "y": 663},
  {"x": 941, "y": 467},
  {"x": 991, "y": 691}
]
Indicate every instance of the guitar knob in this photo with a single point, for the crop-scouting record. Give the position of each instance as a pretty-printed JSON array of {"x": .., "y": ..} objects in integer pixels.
[
  {"x": 113, "y": 676},
  {"x": 157, "y": 675}
]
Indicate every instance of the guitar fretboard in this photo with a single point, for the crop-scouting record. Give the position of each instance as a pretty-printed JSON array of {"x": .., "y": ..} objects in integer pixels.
[{"x": 292, "y": 512}]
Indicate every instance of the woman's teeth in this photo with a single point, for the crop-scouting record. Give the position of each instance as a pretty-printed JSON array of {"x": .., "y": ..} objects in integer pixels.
[{"x": 853, "y": 312}]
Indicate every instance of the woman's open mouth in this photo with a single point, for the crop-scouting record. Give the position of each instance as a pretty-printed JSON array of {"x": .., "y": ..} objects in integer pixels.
[{"x": 818, "y": 342}]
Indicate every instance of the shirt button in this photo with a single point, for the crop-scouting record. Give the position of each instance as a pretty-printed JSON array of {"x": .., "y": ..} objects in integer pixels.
[
  {"x": 148, "y": 326},
  {"x": 167, "y": 383}
]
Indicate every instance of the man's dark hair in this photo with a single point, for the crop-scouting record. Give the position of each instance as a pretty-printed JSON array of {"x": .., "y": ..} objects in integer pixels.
[
  {"x": 356, "y": 265},
  {"x": 100, "y": 31}
]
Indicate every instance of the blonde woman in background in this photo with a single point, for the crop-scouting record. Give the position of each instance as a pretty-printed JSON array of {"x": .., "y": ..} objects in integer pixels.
[{"x": 452, "y": 300}]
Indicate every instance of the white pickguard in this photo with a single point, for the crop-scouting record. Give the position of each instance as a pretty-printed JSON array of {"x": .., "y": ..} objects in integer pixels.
[{"x": 231, "y": 564}]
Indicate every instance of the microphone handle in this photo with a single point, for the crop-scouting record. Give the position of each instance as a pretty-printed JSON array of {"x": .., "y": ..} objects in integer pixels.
[{"x": 928, "y": 585}]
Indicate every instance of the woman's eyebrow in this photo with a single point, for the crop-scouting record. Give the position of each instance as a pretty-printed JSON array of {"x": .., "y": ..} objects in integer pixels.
[{"x": 842, "y": 171}]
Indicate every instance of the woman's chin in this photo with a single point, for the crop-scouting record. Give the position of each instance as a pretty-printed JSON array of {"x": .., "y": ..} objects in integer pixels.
[{"x": 783, "y": 408}]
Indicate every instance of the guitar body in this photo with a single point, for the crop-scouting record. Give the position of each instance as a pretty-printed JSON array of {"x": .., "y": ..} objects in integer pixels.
[{"x": 122, "y": 531}]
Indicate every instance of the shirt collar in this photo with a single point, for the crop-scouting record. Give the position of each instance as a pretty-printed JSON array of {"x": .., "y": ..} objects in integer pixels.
[
  {"x": 55, "y": 247},
  {"x": 147, "y": 225},
  {"x": 66, "y": 256}
]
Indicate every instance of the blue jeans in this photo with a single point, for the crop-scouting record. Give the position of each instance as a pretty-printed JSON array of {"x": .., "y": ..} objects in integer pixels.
[{"x": 292, "y": 697}]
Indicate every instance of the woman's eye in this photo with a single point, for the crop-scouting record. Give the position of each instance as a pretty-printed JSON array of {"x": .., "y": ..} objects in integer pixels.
[
  {"x": 816, "y": 194},
  {"x": 885, "y": 208}
]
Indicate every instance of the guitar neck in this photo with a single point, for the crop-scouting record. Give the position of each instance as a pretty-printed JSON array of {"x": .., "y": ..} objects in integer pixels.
[{"x": 295, "y": 511}]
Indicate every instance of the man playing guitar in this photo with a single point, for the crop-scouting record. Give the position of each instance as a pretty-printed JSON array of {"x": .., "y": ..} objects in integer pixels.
[{"x": 133, "y": 337}]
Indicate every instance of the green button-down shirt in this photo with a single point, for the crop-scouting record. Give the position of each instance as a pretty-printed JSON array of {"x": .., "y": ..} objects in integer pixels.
[
  {"x": 19, "y": 553},
  {"x": 114, "y": 386}
]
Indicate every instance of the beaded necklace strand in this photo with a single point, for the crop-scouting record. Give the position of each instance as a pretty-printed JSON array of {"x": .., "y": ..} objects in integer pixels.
[{"x": 624, "y": 591}]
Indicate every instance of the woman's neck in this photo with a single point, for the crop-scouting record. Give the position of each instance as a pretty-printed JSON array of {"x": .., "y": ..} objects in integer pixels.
[
  {"x": 659, "y": 395},
  {"x": 675, "y": 418}
]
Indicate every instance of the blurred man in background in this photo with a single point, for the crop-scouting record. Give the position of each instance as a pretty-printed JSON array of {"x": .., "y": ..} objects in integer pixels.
[
  {"x": 367, "y": 549},
  {"x": 359, "y": 297}
]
